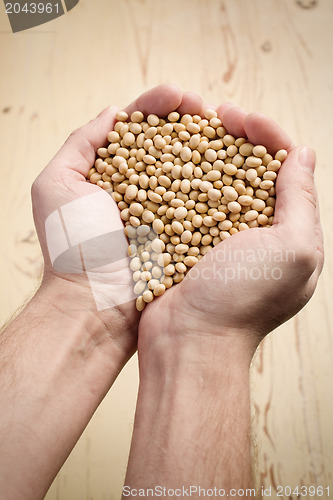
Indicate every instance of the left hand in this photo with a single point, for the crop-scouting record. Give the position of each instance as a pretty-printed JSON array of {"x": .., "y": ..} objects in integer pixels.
[{"x": 80, "y": 229}]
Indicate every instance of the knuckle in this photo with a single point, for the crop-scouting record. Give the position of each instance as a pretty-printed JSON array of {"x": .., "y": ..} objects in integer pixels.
[
  {"x": 36, "y": 187},
  {"x": 306, "y": 260},
  {"x": 309, "y": 193}
]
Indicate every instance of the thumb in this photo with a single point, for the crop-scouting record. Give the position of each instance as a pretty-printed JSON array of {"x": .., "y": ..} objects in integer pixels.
[{"x": 296, "y": 196}]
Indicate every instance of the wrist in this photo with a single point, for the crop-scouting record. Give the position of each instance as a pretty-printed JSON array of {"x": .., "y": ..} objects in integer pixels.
[
  {"x": 193, "y": 401},
  {"x": 107, "y": 332},
  {"x": 165, "y": 353}
]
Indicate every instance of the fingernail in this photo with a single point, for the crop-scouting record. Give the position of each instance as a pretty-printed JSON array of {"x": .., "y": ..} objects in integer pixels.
[{"x": 307, "y": 158}]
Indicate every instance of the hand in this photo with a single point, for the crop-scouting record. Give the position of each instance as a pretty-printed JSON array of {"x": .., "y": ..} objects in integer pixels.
[
  {"x": 250, "y": 283},
  {"x": 79, "y": 227}
]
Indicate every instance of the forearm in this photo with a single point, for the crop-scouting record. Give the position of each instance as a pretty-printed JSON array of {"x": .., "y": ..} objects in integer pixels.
[
  {"x": 55, "y": 368},
  {"x": 192, "y": 424}
]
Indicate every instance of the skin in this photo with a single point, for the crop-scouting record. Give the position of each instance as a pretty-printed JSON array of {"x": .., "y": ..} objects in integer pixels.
[
  {"x": 61, "y": 355},
  {"x": 196, "y": 341}
]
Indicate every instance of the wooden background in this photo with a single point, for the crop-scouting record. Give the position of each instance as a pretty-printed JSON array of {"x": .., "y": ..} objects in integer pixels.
[{"x": 274, "y": 56}]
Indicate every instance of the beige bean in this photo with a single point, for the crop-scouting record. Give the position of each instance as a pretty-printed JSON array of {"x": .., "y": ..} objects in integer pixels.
[
  {"x": 154, "y": 197},
  {"x": 158, "y": 226},
  {"x": 136, "y": 209},
  {"x": 262, "y": 219},
  {"x": 251, "y": 215},
  {"x": 201, "y": 208},
  {"x": 160, "y": 288},
  {"x": 266, "y": 184},
  {"x": 281, "y": 155},
  {"x": 180, "y": 213},
  {"x": 177, "y": 227},
  {"x": 181, "y": 248},
  {"x": 253, "y": 162},
  {"x": 234, "y": 207},
  {"x": 186, "y": 236},
  {"x": 274, "y": 165},
  {"x": 258, "y": 205},
  {"x": 131, "y": 192},
  {"x": 230, "y": 193},
  {"x": 139, "y": 287},
  {"x": 169, "y": 270},
  {"x": 140, "y": 304},
  {"x": 186, "y": 154},
  {"x": 190, "y": 260},
  {"x": 246, "y": 149},
  {"x": 137, "y": 117},
  {"x": 214, "y": 194}
]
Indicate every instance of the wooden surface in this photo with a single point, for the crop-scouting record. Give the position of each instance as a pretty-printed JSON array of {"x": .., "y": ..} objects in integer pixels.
[{"x": 274, "y": 56}]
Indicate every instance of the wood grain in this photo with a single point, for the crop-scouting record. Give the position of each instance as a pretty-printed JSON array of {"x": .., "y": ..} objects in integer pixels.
[{"x": 272, "y": 56}]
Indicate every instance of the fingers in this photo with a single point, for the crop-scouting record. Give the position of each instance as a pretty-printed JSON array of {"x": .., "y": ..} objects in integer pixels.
[
  {"x": 191, "y": 104},
  {"x": 233, "y": 118},
  {"x": 260, "y": 129},
  {"x": 160, "y": 100}
]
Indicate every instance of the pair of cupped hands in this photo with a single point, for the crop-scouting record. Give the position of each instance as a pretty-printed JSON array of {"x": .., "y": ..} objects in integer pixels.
[{"x": 274, "y": 280}]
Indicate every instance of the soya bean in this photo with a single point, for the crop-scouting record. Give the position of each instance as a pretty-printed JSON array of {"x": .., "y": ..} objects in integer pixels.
[
  {"x": 169, "y": 270},
  {"x": 230, "y": 193},
  {"x": 259, "y": 151},
  {"x": 230, "y": 169},
  {"x": 266, "y": 184},
  {"x": 139, "y": 287},
  {"x": 190, "y": 260},
  {"x": 262, "y": 219},
  {"x": 131, "y": 192},
  {"x": 186, "y": 236},
  {"x": 258, "y": 205},
  {"x": 140, "y": 304},
  {"x": 274, "y": 165},
  {"x": 201, "y": 208},
  {"x": 136, "y": 209},
  {"x": 157, "y": 245},
  {"x": 214, "y": 194},
  {"x": 234, "y": 207},
  {"x": 148, "y": 296},
  {"x": 180, "y": 213},
  {"x": 177, "y": 227},
  {"x": 246, "y": 201},
  {"x": 219, "y": 216},
  {"x": 253, "y": 162},
  {"x": 188, "y": 181},
  {"x": 158, "y": 226},
  {"x": 281, "y": 155},
  {"x": 251, "y": 174},
  {"x": 181, "y": 248},
  {"x": 246, "y": 149},
  {"x": 137, "y": 117},
  {"x": 160, "y": 289},
  {"x": 250, "y": 215}
]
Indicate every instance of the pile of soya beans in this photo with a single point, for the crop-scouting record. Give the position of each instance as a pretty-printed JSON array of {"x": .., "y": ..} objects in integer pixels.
[{"x": 182, "y": 185}]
